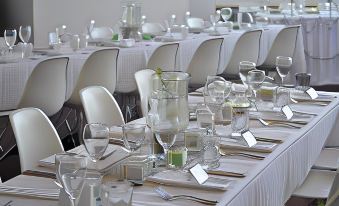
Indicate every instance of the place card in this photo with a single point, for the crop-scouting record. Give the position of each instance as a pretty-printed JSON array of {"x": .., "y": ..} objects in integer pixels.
[
  {"x": 199, "y": 174},
  {"x": 312, "y": 93},
  {"x": 249, "y": 138},
  {"x": 287, "y": 111}
]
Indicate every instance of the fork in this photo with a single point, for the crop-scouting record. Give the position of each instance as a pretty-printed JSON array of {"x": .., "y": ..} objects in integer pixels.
[
  {"x": 168, "y": 196},
  {"x": 285, "y": 124}
]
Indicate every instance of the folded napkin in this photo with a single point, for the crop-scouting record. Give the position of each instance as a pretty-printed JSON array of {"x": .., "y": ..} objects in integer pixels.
[
  {"x": 235, "y": 166},
  {"x": 184, "y": 179},
  {"x": 31, "y": 192},
  {"x": 279, "y": 116},
  {"x": 302, "y": 95},
  {"x": 265, "y": 147},
  {"x": 101, "y": 165}
]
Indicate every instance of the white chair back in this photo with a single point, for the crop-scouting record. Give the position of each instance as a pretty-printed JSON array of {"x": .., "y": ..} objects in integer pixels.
[
  {"x": 164, "y": 57},
  {"x": 100, "y": 106},
  {"x": 100, "y": 69},
  {"x": 333, "y": 197},
  {"x": 205, "y": 61},
  {"x": 46, "y": 86},
  {"x": 145, "y": 87},
  {"x": 101, "y": 33},
  {"x": 153, "y": 29},
  {"x": 35, "y": 136},
  {"x": 246, "y": 49},
  {"x": 283, "y": 45}
]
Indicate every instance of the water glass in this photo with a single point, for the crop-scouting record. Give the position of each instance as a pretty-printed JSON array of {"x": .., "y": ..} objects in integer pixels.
[
  {"x": 75, "y": 42},
  {"x": 193, "y": 139},
  {"x": 73, "y": 183},
  {"x": 205, "y": 118},
  {"x": 53, "y": 40},
  {"x": 283, "y": 65},
  {"x": 10, "y": 38},
  {"x": 116, "y": 193},
  {"x": 134, "y": 136},
  {"x": 210, "y": 151},
  {"x": 240, "y": 120},
  {"x": 302, "y": 81},
  {"x": 282, "y": 97},
  {"x": 96, "y": 138}
]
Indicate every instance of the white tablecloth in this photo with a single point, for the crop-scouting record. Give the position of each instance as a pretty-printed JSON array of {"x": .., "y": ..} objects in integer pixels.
[
  {"x": 269, "y": 182},
  {"x": 13, "y": 76},
  {"x": 321, "y": 42}
]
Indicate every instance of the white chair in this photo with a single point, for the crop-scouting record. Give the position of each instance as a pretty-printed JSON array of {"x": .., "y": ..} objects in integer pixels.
[
  {"x": 100, "y": 106},
  {"x": 205, "y": 61},
  {"x": 321, "y": 178},
  {"x": 164, "y": 57},
  {"x": 153, "y": 29},
  {"x": 100, "y": 69},
  {"x": 144, "y": 82},
  {"x": 283, "y": 45},
  {"x": 35, "y": 135},
  {"x": 101, "y": 33},
  {"x": 247, "y": 48}
]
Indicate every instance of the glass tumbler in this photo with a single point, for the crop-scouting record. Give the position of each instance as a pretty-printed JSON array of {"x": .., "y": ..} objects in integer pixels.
[
  {"x": 210, "y": 151},
  {"x": 240, "y": 120},
  {"x": 282, "y": 97},
  {"x": 116, "y": 193}
]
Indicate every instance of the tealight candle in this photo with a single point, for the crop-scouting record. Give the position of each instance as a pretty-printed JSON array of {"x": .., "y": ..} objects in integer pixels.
[{"x": 177, "y": 156}]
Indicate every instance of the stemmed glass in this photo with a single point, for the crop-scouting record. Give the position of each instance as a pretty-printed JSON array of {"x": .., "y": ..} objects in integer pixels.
[
  {"x": 214, "y": 18},
  {"x": 25, "y": 34},
  {"x": 134, "y": 136},
  {"x": 170, "y": 24},
  {"x": 255, "y": 79},
  {"x": 169, "y": 117},
  {"x": 96, "y": 138},
  {"x": 71, "y": 172},
  {"x": 216, "y": 90},
  {"x": 283, "y": 65},
  {"x": 244, "y": 68},
  {"x": 10, "y": 38},
  {"x": 187, "y": 16}
]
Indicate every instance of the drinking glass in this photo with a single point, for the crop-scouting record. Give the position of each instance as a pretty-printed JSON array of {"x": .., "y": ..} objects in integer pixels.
[
  {"x": 170, "y": 116},
  {"x": 210, "y": 151},
  {"x": 215, "y": 91},
  {"x": 25, "y": 33},
  {"x": 214, "y": 18},
  {"x": 116, "y": 193},
  {"x": 96, "y": 138},
  {"x": 255, "y": 79},
  {"x": 226, "y": 13},
  {"x": 244, "y": 68},
  {"x": 134, "y": 136},
  {"x": 283, "y": 65},
  {"x": 73, "y": 184},
  {"x": 10, "y": 38},
  {"x": 282, "y": 97}
]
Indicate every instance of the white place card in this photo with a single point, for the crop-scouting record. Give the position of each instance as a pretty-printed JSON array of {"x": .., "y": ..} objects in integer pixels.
[
  {"x": 287, "y": 111},
  {"x": 312, "y": 93},
  {"x": 199, "y": 174},
  {"x": 249, "y": 138}
]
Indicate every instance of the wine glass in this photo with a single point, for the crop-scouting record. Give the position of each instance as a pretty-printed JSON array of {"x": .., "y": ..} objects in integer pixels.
[
  {"x": 216, "y": 90},
  {"x": 73, "y": 183},
  {"x": 134, "y": 136},
  {"x": 226, "y": 13},
  {"x": 187, "y": 16},
  {"x": 214, "y": 18},
  {"x": 283, "y": 65},
  {"x": 68, "y": 163},
  {"x": 169, "y": 117},
  {"x": 244, "y": 68},
  {"x": 96, "y": 138},
  {"x": 25, "y": 33},
  {"x": 10, "y": 38},
  {"x": 254, "y": 79}
]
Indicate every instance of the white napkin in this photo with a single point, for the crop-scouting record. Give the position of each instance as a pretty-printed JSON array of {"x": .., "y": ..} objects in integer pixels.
[
  {"x": 32, "y": 192},
  {"x": 235, "y": 165},
  {"x": 259, "y": 147},
  {"x": 101, "y": 165},
  {"x": 183, "y": 179}
]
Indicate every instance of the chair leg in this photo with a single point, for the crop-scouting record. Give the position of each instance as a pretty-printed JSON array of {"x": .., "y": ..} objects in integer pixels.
[{"x": 70, "y": 132}]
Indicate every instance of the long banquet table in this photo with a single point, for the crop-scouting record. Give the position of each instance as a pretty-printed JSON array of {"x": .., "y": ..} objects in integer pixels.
[
  {"x": 268, "y": 182},
  {"x": 13, "y": 76},
  {"x": 321, "y": 42}
]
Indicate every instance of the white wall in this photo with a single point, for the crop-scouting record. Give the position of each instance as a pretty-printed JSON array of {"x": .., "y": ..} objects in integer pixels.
[{"x": 76, "y": 14}]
